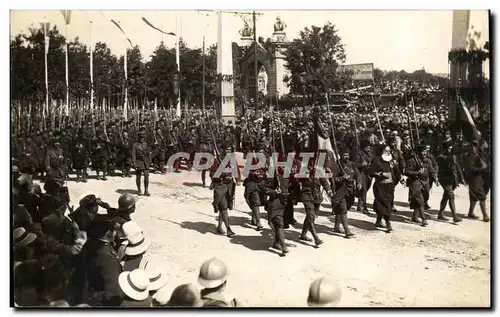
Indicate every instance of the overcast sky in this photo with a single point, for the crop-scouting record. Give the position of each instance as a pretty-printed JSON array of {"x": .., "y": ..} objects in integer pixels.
[{"x": 392, "y": 40}]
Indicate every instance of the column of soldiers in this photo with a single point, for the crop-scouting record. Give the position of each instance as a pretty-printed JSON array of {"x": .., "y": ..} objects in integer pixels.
[{"x": 146, "y": 145}]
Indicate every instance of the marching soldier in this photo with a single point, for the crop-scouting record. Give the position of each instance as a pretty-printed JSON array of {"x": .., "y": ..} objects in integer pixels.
[
  {"x": 55, "y": 163},
  {"x": 80, "y": 161},
  {"x": 100, "y": 158},
  {"x": 254, "y": 189},
  {"x": 308, "y": 198},
  {"x": 346, "y": 181},
  {"x": 477, "y": 167},
  {"x": 450, "y": 176},
  {"x": 277, "y": 190},
  {"x": 419, "y": 170},
  {"x": 223, "y": 187},
  {"x": 363, "y": 161},
  {"x": 141, "y": 158}
]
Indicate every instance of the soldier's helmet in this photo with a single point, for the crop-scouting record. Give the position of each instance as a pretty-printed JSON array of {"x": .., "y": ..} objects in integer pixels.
[
  {"x": 126, "y": 201},
  {"x": 213, "y": 273},
  {"x": 324, "y": 292}
]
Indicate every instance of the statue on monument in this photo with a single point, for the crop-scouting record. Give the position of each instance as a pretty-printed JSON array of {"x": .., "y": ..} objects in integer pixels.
[{"x": 262, "y": 80}]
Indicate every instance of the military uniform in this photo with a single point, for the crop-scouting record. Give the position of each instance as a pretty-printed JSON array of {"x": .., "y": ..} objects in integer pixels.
[
  {"x": 449, "y": 176},
  {"x": 254, "y": 190},
  {"x": 80, "y": 161},
  {"x": 55, "y": 163},
  {"x": 141, "y": 157},
  {"x": 100, "y": 158},
  {"x": 345, "y": 183},
  {"x": 277, "y": 190},
  {"x": 363, "y": 161},
  {"x": 308, "y": 193},
  {"x": 124, "y": 157},
  {"x": 224, "y": 188},
  {"x": 419, "y": 170}
]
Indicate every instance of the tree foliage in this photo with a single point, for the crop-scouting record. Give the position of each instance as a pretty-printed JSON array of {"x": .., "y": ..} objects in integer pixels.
[{"x": 312, "y": 60}]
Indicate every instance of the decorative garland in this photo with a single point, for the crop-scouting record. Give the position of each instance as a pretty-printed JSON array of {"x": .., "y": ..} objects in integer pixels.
[
  {"x": 462, "y": 56},
  {"x": 224, "y": 78}
]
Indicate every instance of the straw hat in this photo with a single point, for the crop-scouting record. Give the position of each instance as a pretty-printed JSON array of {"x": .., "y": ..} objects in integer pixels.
[
  {"x": 157, "y": 277},
  {"x": 131, "y": 228},
  {"x": 134, "y": 284},
  {"x": 137, "y": 244},
  {"x": 22, "y": 238}
]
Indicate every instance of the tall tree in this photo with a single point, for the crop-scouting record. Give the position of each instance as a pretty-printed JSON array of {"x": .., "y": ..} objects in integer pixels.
[{"x": 312, "y": 60}]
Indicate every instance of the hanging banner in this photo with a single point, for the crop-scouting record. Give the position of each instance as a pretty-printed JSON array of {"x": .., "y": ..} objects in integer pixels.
[{"x": 359, "y": 71}]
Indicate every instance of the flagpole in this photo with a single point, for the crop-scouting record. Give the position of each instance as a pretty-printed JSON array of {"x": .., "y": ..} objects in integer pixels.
[
  {"x": 203, "y": 80},
  {"x": 91, "y": 71},
  {"x": 45, "y": 31},
  {"x": 177, "y": 60},
  {"x": 125, "y": 103},
  {"x": 67, "y": 70}
]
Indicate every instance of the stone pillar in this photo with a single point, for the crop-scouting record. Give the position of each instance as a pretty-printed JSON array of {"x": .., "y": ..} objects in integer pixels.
[
  {"x": 458, "y": 71},
  {"x": 225, "y": 67},
  {"x": 281, "y": 71}
]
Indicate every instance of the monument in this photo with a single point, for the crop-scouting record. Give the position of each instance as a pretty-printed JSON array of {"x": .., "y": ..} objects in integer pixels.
[
  {"x": 225, "y": 107},
  {"x": 270, "y": 57}
]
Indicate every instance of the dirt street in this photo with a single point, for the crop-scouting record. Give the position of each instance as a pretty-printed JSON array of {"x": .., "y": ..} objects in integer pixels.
[{"x": 443, "y": 265}]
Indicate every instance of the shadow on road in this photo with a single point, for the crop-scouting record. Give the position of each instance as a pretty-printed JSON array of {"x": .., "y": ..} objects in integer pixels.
[
  {"x": 127, "y": 191},
  {"x": 201, "y": 227},
  {"x": 362, "y": 224},
  {"x": 192, "y": 184},
  {"x": 261, "y": 242}
]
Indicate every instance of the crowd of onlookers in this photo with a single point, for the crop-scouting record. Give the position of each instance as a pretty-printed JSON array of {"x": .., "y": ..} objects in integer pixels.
[{"x": 96, "y": 255}]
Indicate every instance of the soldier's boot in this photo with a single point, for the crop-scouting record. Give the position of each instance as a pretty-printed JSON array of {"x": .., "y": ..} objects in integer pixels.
[
  {"x": 138, "y": 183},
  {"x": 78, "y": 175},
  {"x": 482, "y": 205},
  {"x": 276, "y": 240},
  {"x": 203, "y": 178},
  {"x": 104, "y": 172},
  {"x": 256, "y": 216},
  {"x": 345, "y": 223},
  {"x": 365, "y": 207},
  {"x": 422, "y": 215},
  {"x": 124, "y": 173},
  {"x": 388, "y": 224},
  {"x": 305, "y": 228},
  {"x": 442, "y": 206},
  {"x": 98, "y": 174},
  {"x": 414, "y": 217},
  {"x": 312, "y": 227},
  {"x": 393, "y": 207},
  {"x": 225, "y": 218},
  {"x": 378, "y": 222},
  {"x": 84, "y": 175},
  {"x": 471, "y": 214},
  {"x": 336, "y": 228},
  {"x": 280, "y": 236},
  {"x": 456, "y": 218},
  {"x": 316, "y": 209},
  {"x": 220, "y": 227},
  {"x": 146, "y": 185},
  {"x": 360, "y": 205}
]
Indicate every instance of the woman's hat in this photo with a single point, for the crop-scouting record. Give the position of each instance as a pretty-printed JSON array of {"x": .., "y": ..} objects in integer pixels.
[
  {"x": 157, "y": 277},
  {"x": 137, "y": 244},
  {"x": 134, "y": 284},
  {"x": 22, "y": 238}
]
